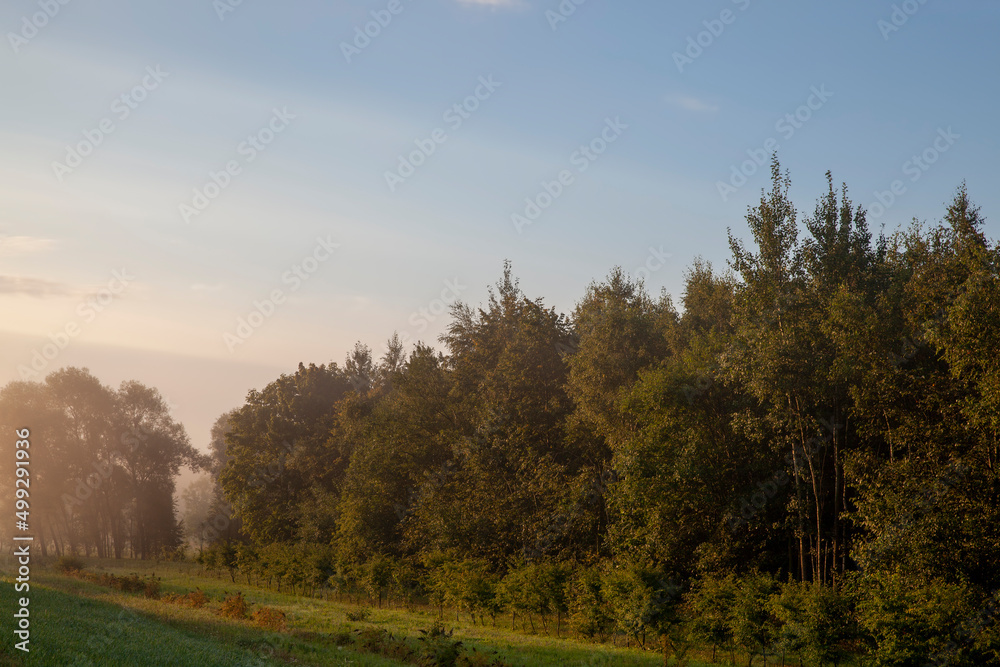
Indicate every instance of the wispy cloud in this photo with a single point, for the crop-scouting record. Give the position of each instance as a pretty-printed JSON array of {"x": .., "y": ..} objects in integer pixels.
[
  {"x": 36, "y": 287},
  {"x": 16, "y": 245},
  {"x": 689, "y": 103}
]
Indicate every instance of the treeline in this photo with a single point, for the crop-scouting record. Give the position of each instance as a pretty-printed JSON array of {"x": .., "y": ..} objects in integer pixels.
[
  {"x": 103, "y": 464},
  {"x": 813, "y": 432}
]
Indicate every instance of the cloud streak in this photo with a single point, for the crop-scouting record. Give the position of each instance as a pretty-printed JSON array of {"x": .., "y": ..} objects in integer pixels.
[
  {"x": 35, "y": 287},
  {"x": 16, "y": 245},
  {"x": 689, "y": 103}
]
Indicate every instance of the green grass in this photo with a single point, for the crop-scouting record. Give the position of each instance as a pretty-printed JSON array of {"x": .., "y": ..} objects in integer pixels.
[
  {"x": 79, "y": 624},
  {"x": 72, "y": 630},
  {"x": 319, "y": 616},
  {"x": 71, "y": 616}
]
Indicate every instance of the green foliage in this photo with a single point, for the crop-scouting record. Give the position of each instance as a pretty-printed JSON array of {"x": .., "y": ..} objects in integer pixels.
[
  {"x": 360, "y": 615},
  {"x": 823, "y": 415},
  {"x": 909, "y": 621},
  {"x": 711, "y": 603},
  {"x": 589, "y": 612},
  {"x": 437, "y": 648},
  {"x": 752, "y": 623},
  {"x": 644, "y": 601}
]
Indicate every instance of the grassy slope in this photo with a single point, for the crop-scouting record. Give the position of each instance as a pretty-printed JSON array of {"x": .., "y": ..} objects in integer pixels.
[
  {"x": 320, "y": 616},
  {"x": 71, "y": 630},
  {"x": 71, "y": 611},
  {"x": 78, "y": 624}
]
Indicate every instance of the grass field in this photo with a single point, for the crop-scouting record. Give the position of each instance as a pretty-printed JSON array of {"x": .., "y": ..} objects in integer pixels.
[{"x": 75, "y": 622}]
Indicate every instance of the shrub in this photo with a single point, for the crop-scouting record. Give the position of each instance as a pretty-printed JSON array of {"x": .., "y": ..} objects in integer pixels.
[
  {"x": 711, "y": 604},
  {"x": 342, "y": 637},
  {"x": 196, "y": 599},
  {"x": 377, "y": 575},
  {"x": 474, "y": 658},
  {"x": 176, "y": 554},
  {"x": 359, "y": 616},
  {"x": 753, "y": 625},
  {"x": 381, "y": 642},
  {"x": 151, "y": 588},
  {"x": 914, "y": 621},
  {"x": 69, "y": 564},
  {"x": 589, "y": 613},
  {"x": 437, "y": 649},
  {"x": 270, "y": 619},
  {"x": 234, "y": 606}
]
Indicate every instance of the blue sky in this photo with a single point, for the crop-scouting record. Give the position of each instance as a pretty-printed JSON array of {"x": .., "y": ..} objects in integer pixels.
[{"x": 652, "y": 195}]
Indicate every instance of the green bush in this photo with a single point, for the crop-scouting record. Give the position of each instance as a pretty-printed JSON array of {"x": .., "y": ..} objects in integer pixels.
[
  {"x": 913, "y": 622},
  {"x": 711, "y": 602},
  {"x": 589, "y": 614},
  {"x": 752, "y": 623},
  {"x": 437, "y": 648},
  {"x": 359, "y": 616}
]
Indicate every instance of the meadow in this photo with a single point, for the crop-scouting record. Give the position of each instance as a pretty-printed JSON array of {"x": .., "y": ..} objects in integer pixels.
[{"x": 78, "y": 622}]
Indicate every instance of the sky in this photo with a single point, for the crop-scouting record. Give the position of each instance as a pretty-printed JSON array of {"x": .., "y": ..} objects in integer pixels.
[{"x": 201, "y": 194}]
